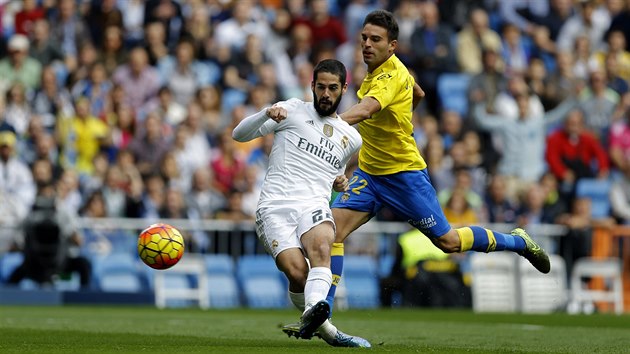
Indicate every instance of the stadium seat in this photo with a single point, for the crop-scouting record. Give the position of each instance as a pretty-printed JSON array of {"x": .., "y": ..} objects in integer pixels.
[
  {"x": 453, "y": 92},
  {"x": 223, "y": 290},
  {"x": 597, "y": 190},
  {"x": 494, "y": 287},
  {"x": 362, "y": 291},
  {"x": 543, "y": 293},
  {"x": 265, "y": 291},
  {"x": 610, "y": 270},
  {"x": 183, "y": 285},
  {"x": 120, "y": 280},
  {"x": 8, "y": 262},
  {"x": 219, "y": 264},
  {"x": 248, "y": 266},
  {"x": 359, "y": 265}
]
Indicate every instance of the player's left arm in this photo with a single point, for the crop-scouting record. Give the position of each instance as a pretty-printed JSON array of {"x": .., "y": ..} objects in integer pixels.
[
  {"x": 418, "y": 95},
  {"x": 361, "y": 111}
]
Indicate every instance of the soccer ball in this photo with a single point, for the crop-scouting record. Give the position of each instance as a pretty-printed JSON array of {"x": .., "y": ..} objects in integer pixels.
[{"x": 160, "y": 246}]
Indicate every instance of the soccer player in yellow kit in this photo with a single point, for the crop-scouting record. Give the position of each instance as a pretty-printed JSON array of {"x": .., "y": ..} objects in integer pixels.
[{"x": 391, "y": 171}]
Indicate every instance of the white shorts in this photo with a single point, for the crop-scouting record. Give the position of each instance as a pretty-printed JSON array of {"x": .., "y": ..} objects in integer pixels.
[{"x": 280, "y": 227}]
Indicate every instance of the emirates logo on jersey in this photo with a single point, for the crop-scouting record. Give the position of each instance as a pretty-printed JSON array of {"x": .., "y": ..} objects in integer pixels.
[
  {"x": 344, "y": 142},
  {"x": 328, "y": 130}
]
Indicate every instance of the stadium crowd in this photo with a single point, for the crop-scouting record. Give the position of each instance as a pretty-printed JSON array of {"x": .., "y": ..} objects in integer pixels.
[{"x": 127, "y": 106}]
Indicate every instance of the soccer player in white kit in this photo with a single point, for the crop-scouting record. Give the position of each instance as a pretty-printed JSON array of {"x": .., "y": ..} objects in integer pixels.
[{"x": 311, "y": 148}]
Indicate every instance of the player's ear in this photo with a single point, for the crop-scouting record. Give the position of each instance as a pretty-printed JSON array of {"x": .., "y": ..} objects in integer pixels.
[
  {"x": 344, "y": 88},
  {"x": 393, "y": 45}
]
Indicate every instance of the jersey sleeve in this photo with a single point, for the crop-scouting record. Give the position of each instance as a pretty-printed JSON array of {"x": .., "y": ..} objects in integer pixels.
[{"x": 384, "y": 88}]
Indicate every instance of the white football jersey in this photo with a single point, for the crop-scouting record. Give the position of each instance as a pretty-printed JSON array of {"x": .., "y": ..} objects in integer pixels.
[{"x": 308, "y": 152}]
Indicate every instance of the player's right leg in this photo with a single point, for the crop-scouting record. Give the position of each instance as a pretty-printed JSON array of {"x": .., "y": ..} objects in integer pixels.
[{"x": 350, "y": 209}]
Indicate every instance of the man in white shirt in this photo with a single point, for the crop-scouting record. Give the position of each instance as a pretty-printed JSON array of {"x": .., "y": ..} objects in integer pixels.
[{"x": 311, "y": 148}]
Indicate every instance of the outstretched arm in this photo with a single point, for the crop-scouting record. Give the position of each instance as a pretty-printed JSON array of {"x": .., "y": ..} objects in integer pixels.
[
  {"x": 249, "y": 127},
  {"x": 361, "y": 111}
]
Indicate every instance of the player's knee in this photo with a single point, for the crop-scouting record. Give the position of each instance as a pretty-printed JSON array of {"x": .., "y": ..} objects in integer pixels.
[
  {"x": 448, "y": 243},
  {"x": 319, "y": 253},
  {"x": 297, "y": 277}
]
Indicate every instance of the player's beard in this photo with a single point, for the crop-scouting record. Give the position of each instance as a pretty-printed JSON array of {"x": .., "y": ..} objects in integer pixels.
[{"x": 326, "y": 112}]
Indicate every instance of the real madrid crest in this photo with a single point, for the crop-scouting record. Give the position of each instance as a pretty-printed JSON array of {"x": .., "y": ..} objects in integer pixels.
[
  {"x": 344, "y": 141},
  {"x": 274, "y": 243},
  {"x": 328, "y": 130}
]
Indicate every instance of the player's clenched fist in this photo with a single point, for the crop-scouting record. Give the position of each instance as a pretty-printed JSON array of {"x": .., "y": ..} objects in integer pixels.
[
  {"x": 277, "y": 113},
  {"x": 340, "y": 184}
]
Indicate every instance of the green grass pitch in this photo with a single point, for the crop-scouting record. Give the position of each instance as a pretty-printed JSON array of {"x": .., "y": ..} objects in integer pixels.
[{"x": 89, "y": 329}]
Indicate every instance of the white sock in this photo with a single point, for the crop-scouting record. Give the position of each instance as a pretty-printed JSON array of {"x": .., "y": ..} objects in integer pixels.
[
  {"x": 317, "y": 285},
  {"x": 297, "y": 299}
]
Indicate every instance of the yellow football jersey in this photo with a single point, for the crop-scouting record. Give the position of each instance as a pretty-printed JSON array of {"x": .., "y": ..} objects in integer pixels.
[{"x": 388, "y": 144}]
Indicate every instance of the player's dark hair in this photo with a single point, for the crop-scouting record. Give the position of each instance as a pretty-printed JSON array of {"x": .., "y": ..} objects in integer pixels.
[
  {"x": 331, "y": 66},
  {"x": 385, "y": 19}
]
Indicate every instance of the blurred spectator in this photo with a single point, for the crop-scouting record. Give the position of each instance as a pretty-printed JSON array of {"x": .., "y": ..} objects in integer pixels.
[
  {"x": 327, "y": 30},
  {"x": 81, "y": 137},
  {"x": 522, "y": 159},
  {"x": 535, "y": 77},
  {"x": 17, "y": 188},
  {"x": 19, "y": 66},
  {"x": 354, "y": 14},
  {"x": 577, "y": 243},
  {"x": 112, "y": 53},
  {"x": 155, "y": 42},
  {"x": 463, "y": 182},
  {"x": 432, "y": 52},
  {"x": 68, "y": 191},
  {"x": 150, "y": 145},
  {"x": 521, "y": 13},
  {"x": 615, "y": 82},
  {"x": 506, "y": 103},
  {"x": 485, "y": 86},
  {"x": 588, "y": 22},
  {"x": 598, "y": 102},
  {"x": 198, "y": 25},
  {"x": 95, "y": 88},
  {"x": 197, "y": 141},
  {"x": 616, "y": 48},
  {"x": 51, "y": 100},
  {"x": 458, "y": 210},
  {"x": 133, "y": 21},
  {"x": 30, "y": 13},
  {"x": 186, "y": 160},
  {"x": 169, "y": 14},
  {"x": 621, "y": 22},
  {"x": 146, "y": 203},
  {"x": 232, "y": 33},
  {"x": 499, "y": 208},
  {"x": 18, "y": 110},
  {"x": 101, "y": 16},
  {"x": 173, "y": 112},
  {"x": 516, "y": 51},
  {"x": 574, "y": 153},
  {"x": 79, "y": 68},
  {"x": 227, "y": 165},
  {"x": 233, "y": 209},
  {"x": 560, "y": 83},
  {"x": 96, "y": 180},
  {"x": 425, "y": 127},
  {"x": 451, "y": 128},
  {"x": 43, "y": 48},
  {"x": 620, "y": 198},
  {"x": 122, "y": 123},
  {"x": 409, "y": 17},
  {"x": 173, "y": 175},
  {"x": 115, "y": 187},
  {"x": 582, "y": 59},
  {"x": 619, "y": 137},
  {"x": 532, "y": 210},
  {"x": 68, "y": 28},
  {"x": 202, "y": 197},
  {"x": 473, "y": 39},
  {"x": 183, "y": 74},
  {"x": 559, "y": 12},
  {"x": 209, "y": 100},
  {"x": 139, "y": 81},
  {"x": 50, "y": 244},
  {"x": 423, "y": 275},
  {"x": 555, "y": 203}
]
